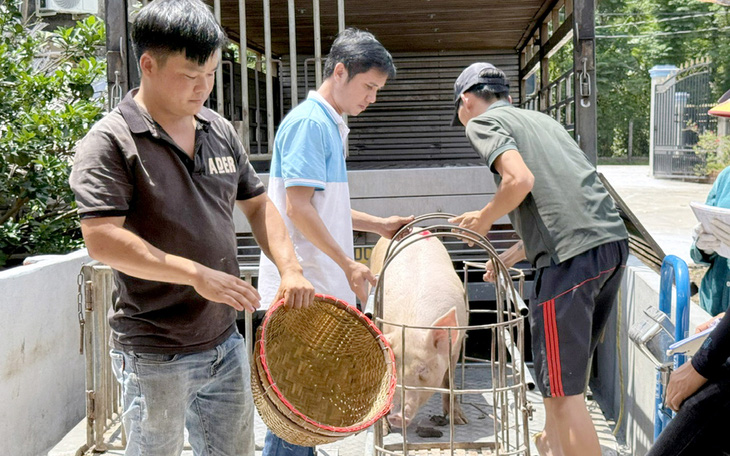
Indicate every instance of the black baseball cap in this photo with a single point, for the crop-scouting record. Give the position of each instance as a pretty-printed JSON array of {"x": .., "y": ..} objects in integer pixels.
[{"x": 472, "y": 76}]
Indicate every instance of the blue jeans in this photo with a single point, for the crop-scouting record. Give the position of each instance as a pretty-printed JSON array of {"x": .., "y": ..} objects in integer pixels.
[
  {"x": 276, "y": 446},
  {"x": 208, "y": 393}
]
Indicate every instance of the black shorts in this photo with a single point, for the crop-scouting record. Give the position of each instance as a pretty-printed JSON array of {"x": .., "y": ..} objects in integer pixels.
[{"x": 570, "y": 305}]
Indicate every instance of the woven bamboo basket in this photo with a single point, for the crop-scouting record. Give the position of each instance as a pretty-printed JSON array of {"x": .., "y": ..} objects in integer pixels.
[{"x": 322, "y": 373}]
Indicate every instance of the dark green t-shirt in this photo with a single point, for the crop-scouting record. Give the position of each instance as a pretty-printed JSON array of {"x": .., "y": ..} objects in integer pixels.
[{"x": 568, "y": 210}]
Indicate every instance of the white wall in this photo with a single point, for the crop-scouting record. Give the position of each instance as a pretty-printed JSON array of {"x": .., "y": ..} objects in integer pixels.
[
  {"x": 41, "y": 371},
  {"x": 413, "y": 191}
]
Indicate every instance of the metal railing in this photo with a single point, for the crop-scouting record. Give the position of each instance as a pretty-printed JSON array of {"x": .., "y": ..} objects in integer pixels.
[
  {"x": 557, "y": 100},
  {"x": 674, "y": 272},
  {"x": 104, "y": 430},
  {"x": 103, "y": 392}
]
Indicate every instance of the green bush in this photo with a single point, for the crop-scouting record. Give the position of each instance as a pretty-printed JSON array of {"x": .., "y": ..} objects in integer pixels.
[
  {"x": 716, "y": 152},
  {"x": 47, "y": 103}
]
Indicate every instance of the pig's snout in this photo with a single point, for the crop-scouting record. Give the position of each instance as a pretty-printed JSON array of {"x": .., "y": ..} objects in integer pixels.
[{"x": 401, "y": 419}]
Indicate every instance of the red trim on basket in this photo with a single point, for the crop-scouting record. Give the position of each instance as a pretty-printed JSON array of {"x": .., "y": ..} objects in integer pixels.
[{"x": 379, "y": 335}]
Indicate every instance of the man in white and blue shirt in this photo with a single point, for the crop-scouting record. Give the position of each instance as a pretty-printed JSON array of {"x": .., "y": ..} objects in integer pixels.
[{"x": 308, "y": 183}]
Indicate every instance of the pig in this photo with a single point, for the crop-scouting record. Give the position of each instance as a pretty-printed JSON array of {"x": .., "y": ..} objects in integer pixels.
[{"x": 421, "y": 289}]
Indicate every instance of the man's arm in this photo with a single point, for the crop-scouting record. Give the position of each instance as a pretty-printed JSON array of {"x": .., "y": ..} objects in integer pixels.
[
  {"x": 509, "y": 257},
  {"x": 384, "y": 226},
  {"x": 109, "y": 242},
  {"x": 517, "y": 182},
  {"x": 707, "y": 363},
  {"x": 305, "y": 217},
  {"x": 271, "y": 235}
]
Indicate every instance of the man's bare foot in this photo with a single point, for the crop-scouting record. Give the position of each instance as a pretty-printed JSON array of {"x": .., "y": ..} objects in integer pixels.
[{"x": 543, "y": 445}]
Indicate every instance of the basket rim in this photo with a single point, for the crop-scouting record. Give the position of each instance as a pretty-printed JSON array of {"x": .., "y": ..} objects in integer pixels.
[{"x": 378, "y": 337}]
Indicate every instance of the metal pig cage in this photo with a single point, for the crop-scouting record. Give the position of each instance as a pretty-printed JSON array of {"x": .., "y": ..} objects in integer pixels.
[{"x": 496, "y": 387}]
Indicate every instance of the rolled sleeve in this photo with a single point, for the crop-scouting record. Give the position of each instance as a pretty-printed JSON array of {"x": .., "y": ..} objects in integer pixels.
[
  {"x": 100, "y": 177},
  {"x": 489, "y": 139},
  {"x": 304, "y": 156}
]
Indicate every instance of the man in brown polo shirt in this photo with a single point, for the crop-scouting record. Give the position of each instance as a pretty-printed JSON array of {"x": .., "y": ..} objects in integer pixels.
[{"x": 156, "y": 181}]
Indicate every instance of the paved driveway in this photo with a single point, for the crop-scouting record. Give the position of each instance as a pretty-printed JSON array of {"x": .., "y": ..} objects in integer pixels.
[{"x": 661, "y": 205}]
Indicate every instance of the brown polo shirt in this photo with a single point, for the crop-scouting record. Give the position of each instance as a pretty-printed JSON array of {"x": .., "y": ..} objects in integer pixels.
[{"x": 128, "y": 166}]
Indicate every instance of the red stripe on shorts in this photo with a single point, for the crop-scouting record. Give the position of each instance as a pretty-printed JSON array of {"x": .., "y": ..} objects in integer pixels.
[{"x": 552, "y": 349}]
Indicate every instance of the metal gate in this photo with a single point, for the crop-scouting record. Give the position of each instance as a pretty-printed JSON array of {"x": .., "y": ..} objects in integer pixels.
[{"x": 680, "y": 117}]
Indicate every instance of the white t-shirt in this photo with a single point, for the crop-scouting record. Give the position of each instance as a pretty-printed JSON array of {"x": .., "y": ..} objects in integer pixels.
[{"x": 309, "y": 152}]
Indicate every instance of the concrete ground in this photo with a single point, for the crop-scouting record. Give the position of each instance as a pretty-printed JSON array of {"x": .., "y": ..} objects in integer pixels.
[
  {"x": 662, "y": 206},
  {"x": 477, "y": 408}
]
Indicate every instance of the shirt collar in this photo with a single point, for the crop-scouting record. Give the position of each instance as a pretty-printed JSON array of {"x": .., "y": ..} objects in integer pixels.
[
  {"x": 140, "y": 121},
  {"x": 336, "y": 117}
]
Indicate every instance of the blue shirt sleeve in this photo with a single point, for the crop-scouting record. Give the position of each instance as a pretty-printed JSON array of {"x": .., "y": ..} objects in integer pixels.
[{"x": 304, "y": 155}]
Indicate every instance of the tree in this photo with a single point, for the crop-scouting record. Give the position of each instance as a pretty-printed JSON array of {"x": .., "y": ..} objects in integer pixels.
[
  {"x": 47, "y": 103},
  {"x": 632, "y": 37}
]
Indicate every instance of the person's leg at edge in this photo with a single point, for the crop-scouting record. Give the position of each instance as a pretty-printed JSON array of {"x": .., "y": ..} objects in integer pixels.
[
  {"x": 276, "y": 446},
  {"x": 548, "y": 441},
  {"x": 220, "y": 417},
  {"x": 573, "y": 425},
  {"x": 153, "y": 414}
]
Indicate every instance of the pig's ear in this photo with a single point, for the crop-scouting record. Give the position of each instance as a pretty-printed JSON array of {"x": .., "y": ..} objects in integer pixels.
[{"x": 441, "y": 336}]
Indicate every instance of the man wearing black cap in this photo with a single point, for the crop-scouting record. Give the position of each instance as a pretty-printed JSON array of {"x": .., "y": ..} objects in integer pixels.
[{"x": 570, "y": 232}]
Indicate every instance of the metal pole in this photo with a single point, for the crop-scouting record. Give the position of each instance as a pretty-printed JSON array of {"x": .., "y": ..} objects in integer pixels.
[
  {"x": 293, "y": 56},
  {"x": 257, "y": 119},
  {"x": 631, "y": 139},
  {"x": 269, "y": 78},
  {"x": 584, "y": 61},
  {"x": 340, "y": 15},
  {"x": 674, "y": 271},
  {"x": 117, "y": 54},
  {"x": 219, "y": 71},
  {"x": 340, "y": 28},
  {"x": 243, "y": 56},
  {"x": 317, "y": 46}
]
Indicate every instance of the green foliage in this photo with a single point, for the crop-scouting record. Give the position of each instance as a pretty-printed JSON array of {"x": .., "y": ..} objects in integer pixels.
[
  {"x": 716, "y": 151},
  {"x": 635, "y": 35},
  {"x": 46, "y": 104}
]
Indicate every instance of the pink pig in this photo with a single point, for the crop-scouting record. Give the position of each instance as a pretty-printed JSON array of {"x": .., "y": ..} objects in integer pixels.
[{"x": 421, "y": 289}]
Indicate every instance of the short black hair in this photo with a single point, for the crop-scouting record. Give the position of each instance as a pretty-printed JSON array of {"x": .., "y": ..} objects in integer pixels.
[
  {"x": 360, "y": 52},
  {"x": 166, "y": 27},
  {"x": 487, "y": 92}
]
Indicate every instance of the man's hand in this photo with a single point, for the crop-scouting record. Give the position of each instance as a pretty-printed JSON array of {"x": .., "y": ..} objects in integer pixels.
[
  {"x": 391, "y": 225},
  {"x": 474, "y": 221},
  {"x": 297, "y": 292},
  {"x": 359, "y": 275},
  {"x": 683, "y": 383},
  {"x": 490, "y": 274},
  {"x": 226, "y": 289},
  {"x": 709, "y": 323}
]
